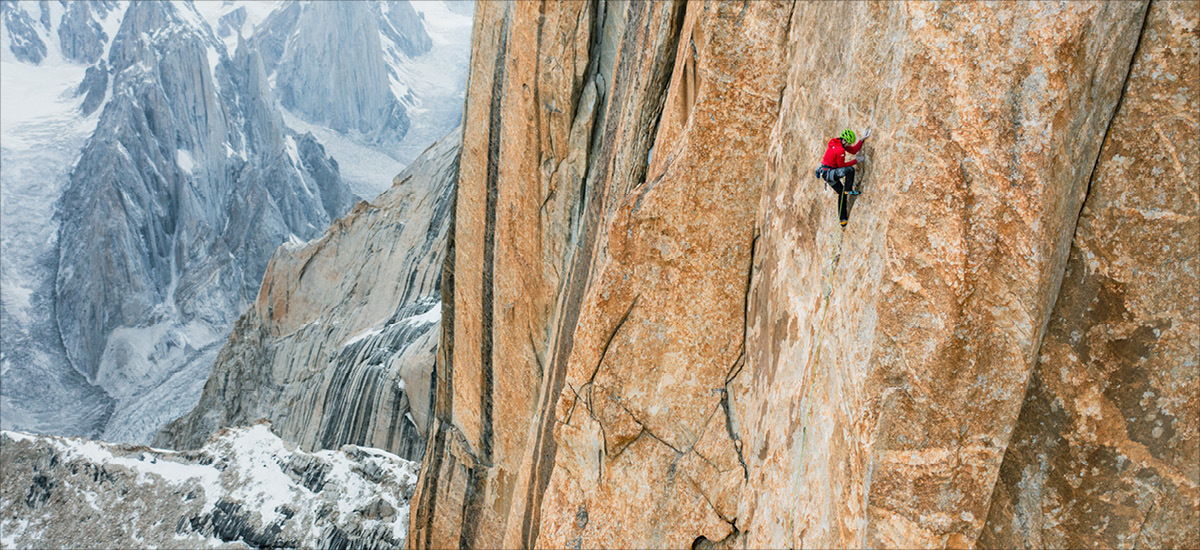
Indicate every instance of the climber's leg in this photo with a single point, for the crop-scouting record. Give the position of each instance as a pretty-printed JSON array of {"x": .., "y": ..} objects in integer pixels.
[
  {"x": 849, "y": 173},
  {"x": 843, "y": 208}
]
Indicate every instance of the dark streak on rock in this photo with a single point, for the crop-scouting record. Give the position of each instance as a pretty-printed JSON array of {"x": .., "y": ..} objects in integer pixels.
[
  {"x": 592, "y": 205},
  {"x": 425, "y": 508},
  {"x": 473, "y": 499},
  {"x": 487, "y": 306}
]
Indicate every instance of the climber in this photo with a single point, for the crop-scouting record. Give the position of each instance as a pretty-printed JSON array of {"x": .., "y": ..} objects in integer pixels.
[{"x": 834, "y": 166}]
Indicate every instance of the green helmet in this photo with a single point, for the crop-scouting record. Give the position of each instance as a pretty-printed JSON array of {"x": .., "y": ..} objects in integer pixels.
[{"x": 849, "y": 136}]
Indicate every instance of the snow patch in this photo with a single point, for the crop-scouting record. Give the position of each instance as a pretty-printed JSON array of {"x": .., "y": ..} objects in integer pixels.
[
  {"x": 20, "y": 436},
  {"x": 433, "y": 315},
  {"x": 214, "y": 59},
  {"x": 293, "y": 151},
  {"x": 365, "y": 169},
  {"x": 363, "y": 335},
  {"x": 184, "y": 159},
  {"x": 11, "y": 531},
  {"x": 429, "y": 316}
]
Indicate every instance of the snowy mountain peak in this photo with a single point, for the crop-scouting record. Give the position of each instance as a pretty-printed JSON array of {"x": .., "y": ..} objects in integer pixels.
[
  {"x": 57, "y": 32},
  {"x": 188, "y": 183},
  {"x": 314, "y": 67},
  {"x": 152, "y": 164},
  {"x": 400, "y": 24}
]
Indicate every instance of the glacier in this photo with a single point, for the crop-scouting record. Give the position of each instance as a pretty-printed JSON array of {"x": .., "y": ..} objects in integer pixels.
[{"x": 41, "y": 134}]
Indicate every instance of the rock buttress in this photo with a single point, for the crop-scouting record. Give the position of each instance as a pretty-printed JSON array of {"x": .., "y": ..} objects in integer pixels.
[
  {"x": 644, "y": 458},
  {"x": 339, "y": 346},
  {"x": 1105, "y": 451},
  {"x": 563, "y": 99},
  {"x": 886, "y": 363}
]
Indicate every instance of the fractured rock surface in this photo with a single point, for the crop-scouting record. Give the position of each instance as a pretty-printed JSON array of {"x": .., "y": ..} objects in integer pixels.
[
  {"x": 1105, "y": 452},
  {"x": 664, "y": 311},
  {"x": 886, "y": 363},
  {"x": 656, "y": 335},
  {"x": 554, "y": 136}
]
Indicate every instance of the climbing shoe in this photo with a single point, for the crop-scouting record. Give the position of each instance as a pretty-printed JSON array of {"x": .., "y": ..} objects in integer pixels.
[{"x": 854, "y": 192}]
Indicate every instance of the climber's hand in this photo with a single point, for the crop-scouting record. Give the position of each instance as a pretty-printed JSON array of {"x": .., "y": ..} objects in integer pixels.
[{"x": 866, "y": 134}]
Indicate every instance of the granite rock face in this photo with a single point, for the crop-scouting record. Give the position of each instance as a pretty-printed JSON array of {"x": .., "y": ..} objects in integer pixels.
[
  {"x": 323, "y": 50},
  {"x": 244, "y": 488},
  {"x": 80, "y": 34},
  {"x": 663, "y": 314},
  {"x": 94, "y": 88},
  {"x": 886, "y": 362},
  {"x": 559, "y": 120},
  {"x": 339, "y": 346},
  {"x": 655, "y": 334},
  {"x": 1105, "y": 451}
]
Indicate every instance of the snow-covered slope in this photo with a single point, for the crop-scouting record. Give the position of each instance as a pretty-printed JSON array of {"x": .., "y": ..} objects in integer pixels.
[
  {"x": 245, "y": 487},
  {"x": 232, "y": 19},
  {"x": 433, "y": 84}
]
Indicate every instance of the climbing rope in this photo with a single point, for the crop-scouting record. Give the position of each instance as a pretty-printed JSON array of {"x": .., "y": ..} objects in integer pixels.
[{"x": 827, "y": 292}]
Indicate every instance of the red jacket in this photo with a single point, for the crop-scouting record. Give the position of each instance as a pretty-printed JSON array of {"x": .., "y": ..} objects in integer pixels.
[{"x": 835, "y": 155}]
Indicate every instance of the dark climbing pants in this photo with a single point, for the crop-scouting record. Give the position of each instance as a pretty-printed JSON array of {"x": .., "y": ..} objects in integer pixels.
[
  {"x": 841, "y": 180},
  {"x": 833, "y": 175}
]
